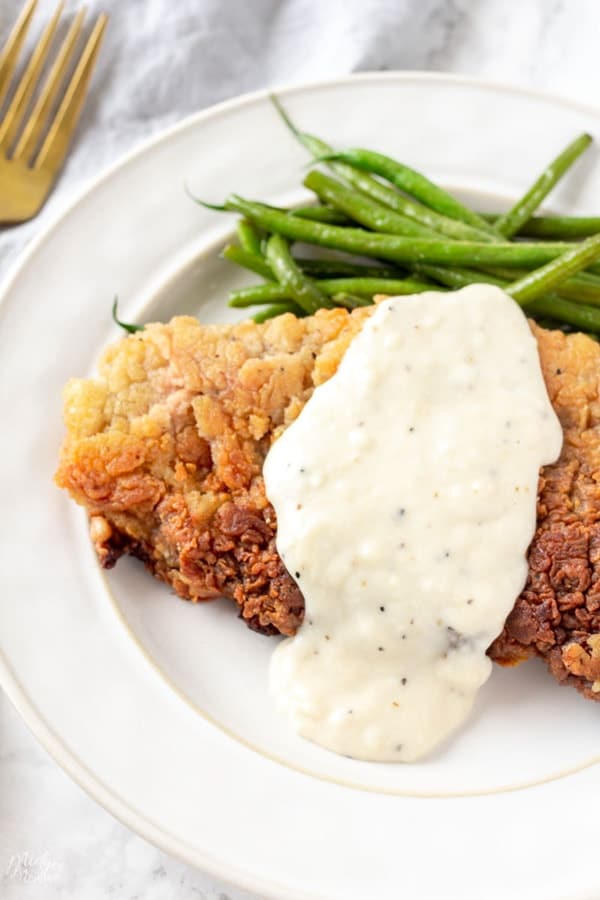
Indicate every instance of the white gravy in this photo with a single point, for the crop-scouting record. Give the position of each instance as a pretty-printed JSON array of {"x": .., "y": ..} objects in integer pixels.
[{"x": 405, "y": 495}]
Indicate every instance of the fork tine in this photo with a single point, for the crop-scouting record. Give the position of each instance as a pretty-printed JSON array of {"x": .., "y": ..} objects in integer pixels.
[
  {"x": 39, "y": 115},
  {"x": 57, "y": 140},
  {"x": 28, "y": 82},
  {"x": 10, "y": 53}
]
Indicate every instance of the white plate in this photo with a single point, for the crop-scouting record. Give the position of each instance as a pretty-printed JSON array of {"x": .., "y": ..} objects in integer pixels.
[{"x": 158, "y": 708}]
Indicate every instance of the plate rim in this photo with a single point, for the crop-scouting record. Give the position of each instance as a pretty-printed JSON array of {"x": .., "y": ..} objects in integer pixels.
[{"x": 68, "y": 761}]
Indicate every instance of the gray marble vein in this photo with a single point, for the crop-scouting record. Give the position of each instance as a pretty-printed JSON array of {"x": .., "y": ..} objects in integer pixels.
[{"x": 162, "y": 60}]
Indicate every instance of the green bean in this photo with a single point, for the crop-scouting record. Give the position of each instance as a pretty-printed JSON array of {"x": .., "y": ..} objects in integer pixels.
[
  {"x": 257, "y": 294},
  {"x": 316, "y": 213},
  {"x": 318, "y": 148},
  {"x": 539, "y": 282},
  {"x": 511, "y": 222},
  {"x": 384, "y": 194},
  {"x": 592, "y": 270},
  {"x": 588, "y": 277},
  {"x": 340, "y": 268},
  {"x": 362, "y": 209},
  {"x": 351, "y": 301},
  {"x": 249, "y": 238},
  {"x": 395, "y": 248},
  {"x": 558, "y": 270},
  {"x": 273, "y": 293},
  {"x": 371, "y": 286},
  {"x": 318, "y": 268},
  {"x": 411, "y": 181},
  {"x": 457, "y": 276},
  {"x": 578, "y": 315},
  {"x": 581, "y": 317},
  {"x": 451, "y": 228},
  {"x": 303, "y": 290},
  {"x": 561, "y": 227},
  {"x": 320, "y": 214},
  {"x": 552, "y": 325},
  {"x": 418, "y": 213},
  {"x": 251, "y": 261},
  {"x": 277, "y": 309},
  {"x": 581, "y": 287}
]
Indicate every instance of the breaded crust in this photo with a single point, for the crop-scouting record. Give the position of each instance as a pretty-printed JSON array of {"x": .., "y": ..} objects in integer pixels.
[
  {"x": 557, "y": 615},
  {"x": 165, "y": 451}
]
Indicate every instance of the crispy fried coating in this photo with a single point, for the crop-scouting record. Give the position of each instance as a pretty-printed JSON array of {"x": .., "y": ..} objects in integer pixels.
[
  {"x": 165, "y": 451},
  {"x": 557, "y": 615}
]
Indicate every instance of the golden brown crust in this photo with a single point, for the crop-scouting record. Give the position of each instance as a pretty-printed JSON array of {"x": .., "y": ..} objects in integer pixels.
[
  {"x": 558, "y": 612},
  {"x": 165, "y": 450}
]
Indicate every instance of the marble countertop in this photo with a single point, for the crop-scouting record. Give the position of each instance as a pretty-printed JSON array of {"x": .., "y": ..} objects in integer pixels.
[{"x": 161, "y": 61}]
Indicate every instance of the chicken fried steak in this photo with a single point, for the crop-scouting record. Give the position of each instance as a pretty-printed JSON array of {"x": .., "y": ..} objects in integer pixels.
[{"x": 165, "y": 451}]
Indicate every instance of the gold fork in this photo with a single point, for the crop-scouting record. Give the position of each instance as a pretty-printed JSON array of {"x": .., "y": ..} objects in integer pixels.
[{"x": 30, "y": 160}]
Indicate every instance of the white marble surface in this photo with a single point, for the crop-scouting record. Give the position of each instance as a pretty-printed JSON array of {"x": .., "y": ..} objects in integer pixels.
[{"x": 162, "y": 60}]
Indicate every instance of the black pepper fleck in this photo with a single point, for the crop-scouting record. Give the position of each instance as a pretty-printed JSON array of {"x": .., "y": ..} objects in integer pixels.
[
  {"x": 380, "y": 649},
  {"x": 559, "y": 371},
  {"x": 455, "y": 638},
  {"x": 404, "y": 681},
  {"x": 412, "y": 428},
  {"x": 297, "y": 574},
  {"x": 382, "y": 609}
]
